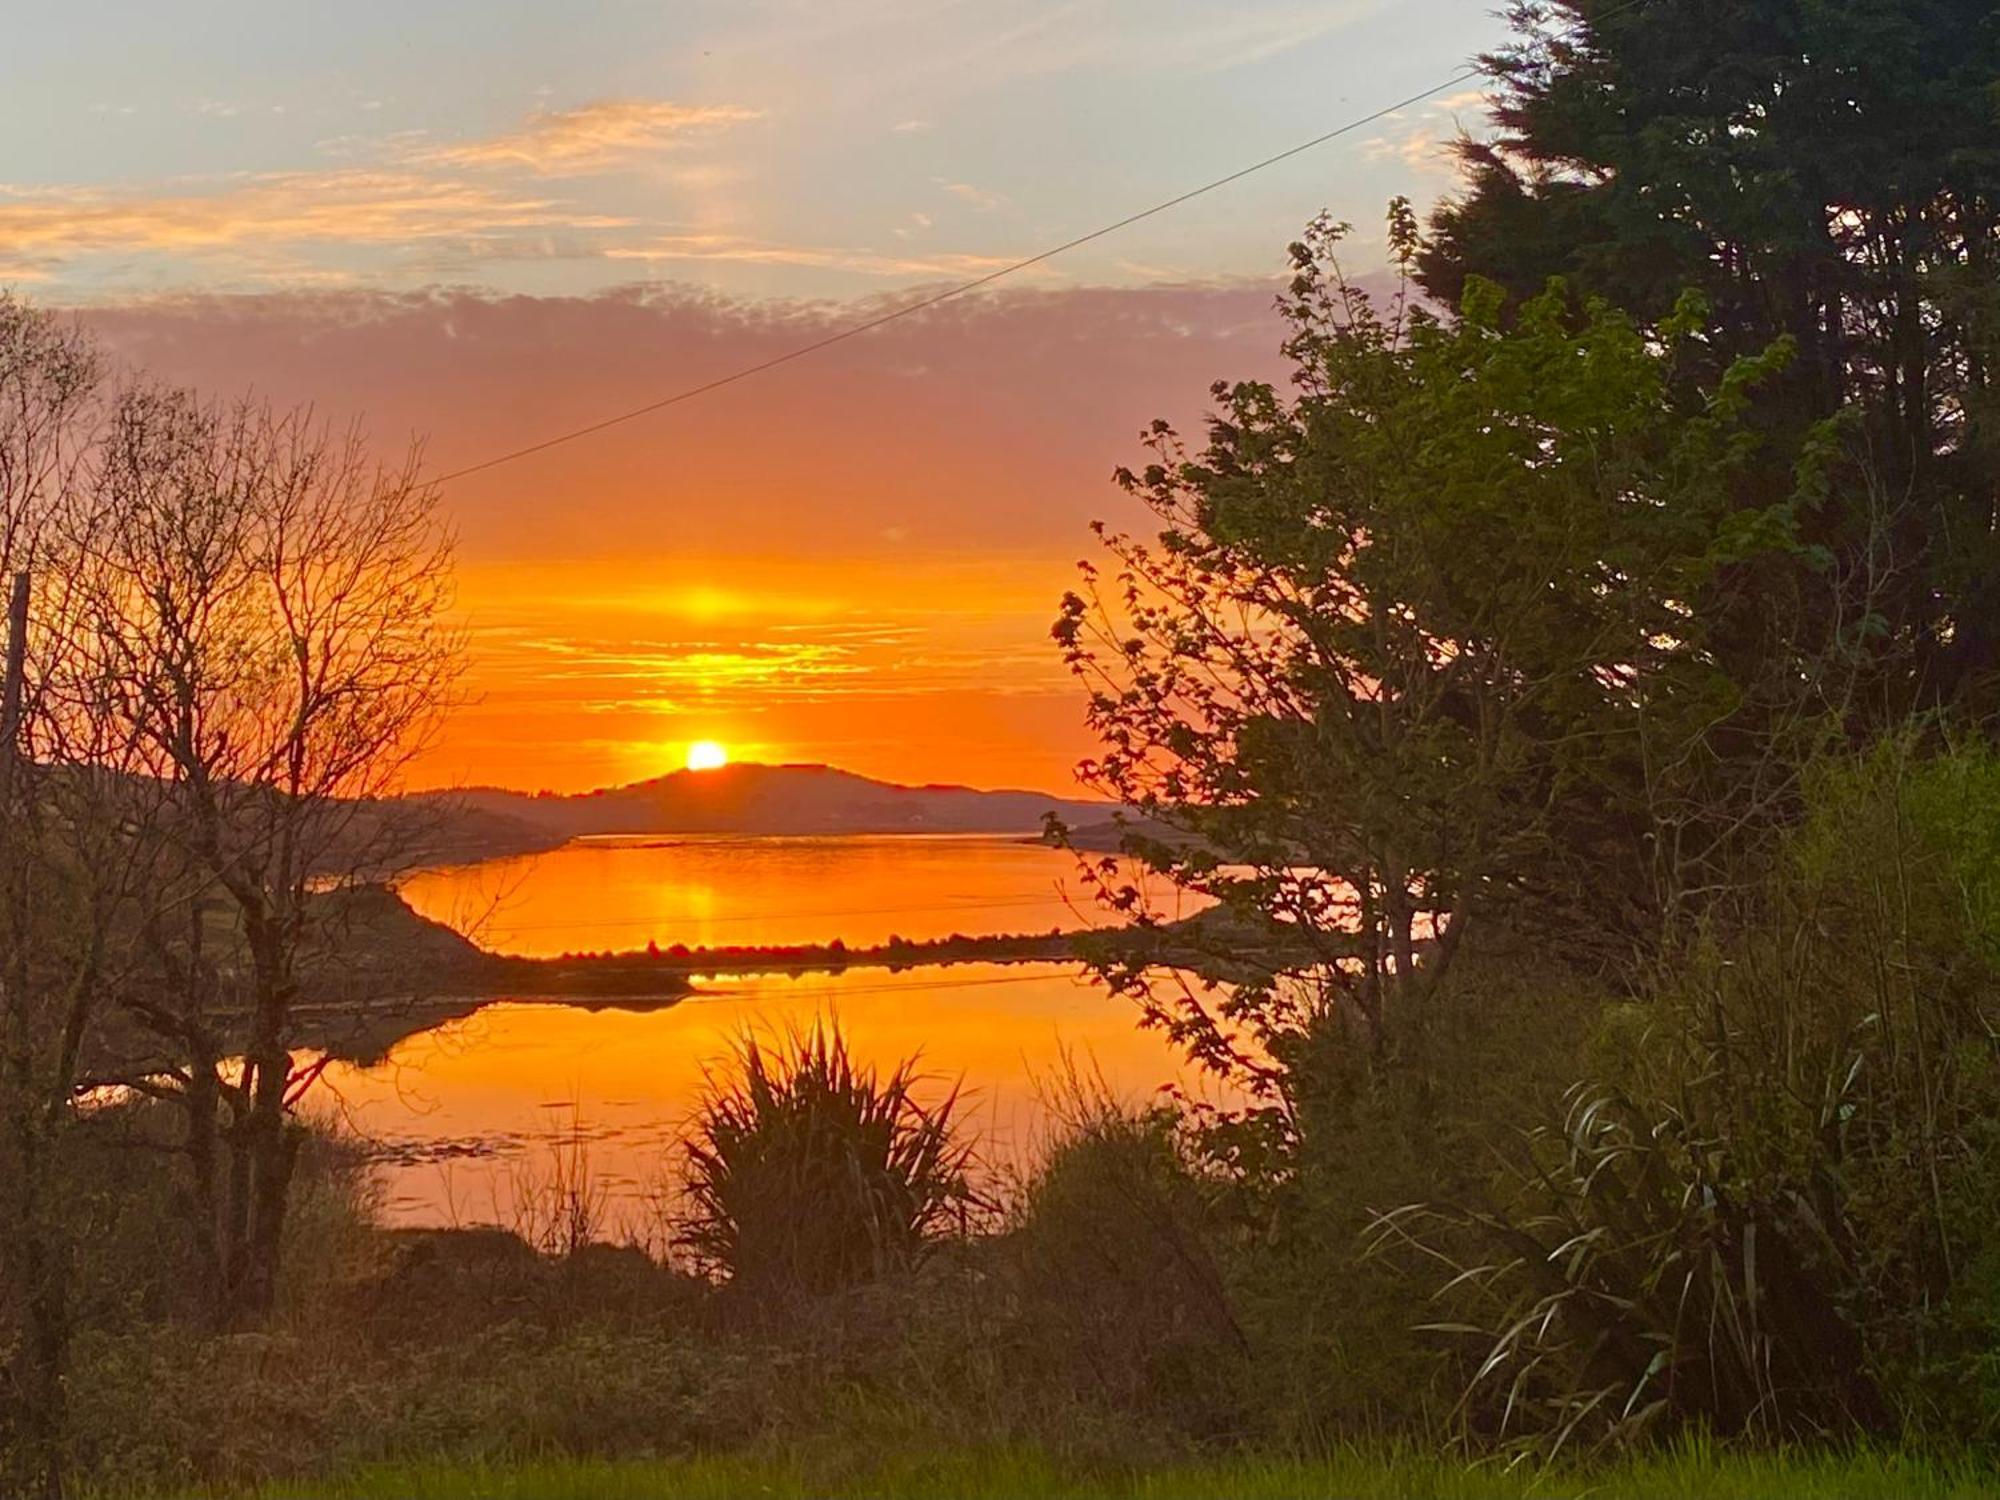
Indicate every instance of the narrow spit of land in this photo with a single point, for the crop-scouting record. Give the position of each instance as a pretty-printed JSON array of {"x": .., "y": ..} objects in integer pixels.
[{"x": 386, "y": 973}]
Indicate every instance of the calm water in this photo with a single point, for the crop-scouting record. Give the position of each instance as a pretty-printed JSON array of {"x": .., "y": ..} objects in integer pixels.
[
  {"x": 467, "y": 1117},
  {"x": 614, "y": 893}
]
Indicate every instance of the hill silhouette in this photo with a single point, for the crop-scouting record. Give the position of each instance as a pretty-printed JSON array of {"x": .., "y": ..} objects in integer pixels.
[{"x": 746, "y": 798}]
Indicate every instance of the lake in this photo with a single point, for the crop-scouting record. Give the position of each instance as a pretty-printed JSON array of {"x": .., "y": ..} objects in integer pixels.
[
  {"x": 708, "y": 890},
  {"x": 468, "y": 1120}
]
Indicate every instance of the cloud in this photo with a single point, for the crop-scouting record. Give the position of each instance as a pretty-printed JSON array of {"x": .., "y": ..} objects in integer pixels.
[
  {"x": 1422, "y": 150},
  {"x": 845, "y": 557},
  {"x": 836, "y": 448},
  {"x": 1198, "y": 39},
  {"x": 593, "y": 136},
  {"x": 348, "y": 205},
  {"x": 743, "y": 250},
  {"x": 411, "y": 196},
  {"x": 980, "y": 45},
  {"x": 1426, "y": 149},
  {"x": 965, "y": 192},
  {"x": 1452, "y": 104}
]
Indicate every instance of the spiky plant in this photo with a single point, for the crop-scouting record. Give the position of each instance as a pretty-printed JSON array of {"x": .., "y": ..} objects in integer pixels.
[
  {"x": 1779, "y": 1217},
  {"x": 807, "y": 1172}
]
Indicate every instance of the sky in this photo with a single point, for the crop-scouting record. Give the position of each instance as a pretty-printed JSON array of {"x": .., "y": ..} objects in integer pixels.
[{"x": 478, "y": 224}]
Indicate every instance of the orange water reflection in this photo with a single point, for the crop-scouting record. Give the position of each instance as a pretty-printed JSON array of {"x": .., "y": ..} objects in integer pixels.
[
  {"x": 619, "y": 893},
  {"x": 466, "y": 1117}
]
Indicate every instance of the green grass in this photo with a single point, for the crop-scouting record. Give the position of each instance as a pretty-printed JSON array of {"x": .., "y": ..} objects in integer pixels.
[{"x": 1690, "y": 1473}]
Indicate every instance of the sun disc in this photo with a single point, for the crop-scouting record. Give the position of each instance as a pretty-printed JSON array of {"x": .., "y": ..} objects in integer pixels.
[{"x": 706, "y": 755}]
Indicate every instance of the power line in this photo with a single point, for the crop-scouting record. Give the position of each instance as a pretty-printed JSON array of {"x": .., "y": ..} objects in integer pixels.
[
  {"x": 855, "y": 330},
  {"x": 922, "y": 304}
]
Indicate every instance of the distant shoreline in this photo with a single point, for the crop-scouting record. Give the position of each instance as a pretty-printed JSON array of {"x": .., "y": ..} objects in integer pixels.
[
  {"x": 830, "y": 958},
  {"x": 400, "y": 974}
]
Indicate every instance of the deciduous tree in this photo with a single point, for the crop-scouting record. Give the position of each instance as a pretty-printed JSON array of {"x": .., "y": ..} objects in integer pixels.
[{"x": 1421, "y": 643}]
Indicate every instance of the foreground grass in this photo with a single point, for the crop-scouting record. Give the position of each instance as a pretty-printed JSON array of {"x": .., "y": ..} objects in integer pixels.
[{"x": 1691, "y": 1473}]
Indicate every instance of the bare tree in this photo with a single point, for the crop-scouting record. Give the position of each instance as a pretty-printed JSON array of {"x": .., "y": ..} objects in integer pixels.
[
  {"x": 73, "y": 830},
  {"x": 273, "y": 604},
  {"x": 234, "y": 637}
]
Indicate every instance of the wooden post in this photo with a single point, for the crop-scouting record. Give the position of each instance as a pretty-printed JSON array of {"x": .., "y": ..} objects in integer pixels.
[{"x": 10, "y": 687}]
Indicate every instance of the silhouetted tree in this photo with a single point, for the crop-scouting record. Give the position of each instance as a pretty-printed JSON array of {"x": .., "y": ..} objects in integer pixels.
[
  {"x": 1823, "y": 172},
  {"x": 1415, "y": 648},
  {"x": 272, "y": 603}
]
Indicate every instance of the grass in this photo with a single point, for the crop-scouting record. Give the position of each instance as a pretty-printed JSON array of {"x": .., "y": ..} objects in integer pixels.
[{"x": 1692, "y": 1472}]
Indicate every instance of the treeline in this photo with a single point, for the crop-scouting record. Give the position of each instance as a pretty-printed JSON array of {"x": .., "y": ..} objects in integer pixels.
[
  {"x": 895, "y": 952},
  {"x": 1592, "y": 657}
]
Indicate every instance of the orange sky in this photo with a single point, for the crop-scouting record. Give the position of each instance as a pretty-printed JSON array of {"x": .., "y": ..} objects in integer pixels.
[
  {"x": 855, "y": 559},
  {"x": 491, "y": 224},
  {"x": 914, "y": 673}
]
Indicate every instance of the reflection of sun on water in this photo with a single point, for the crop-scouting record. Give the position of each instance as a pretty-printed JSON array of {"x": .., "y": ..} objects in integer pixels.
[
  {"x": 479, "y": 1087},
  {"x": 706, "y": 755}
]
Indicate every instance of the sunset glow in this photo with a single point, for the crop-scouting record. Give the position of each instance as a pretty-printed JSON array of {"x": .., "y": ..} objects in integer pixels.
[
  {"x": 854, "y": 560},
  {"x": 706, "y": 755},
  {"x": 749, "y": 743}
]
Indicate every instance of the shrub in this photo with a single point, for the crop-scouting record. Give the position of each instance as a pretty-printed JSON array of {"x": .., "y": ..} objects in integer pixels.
[
  {"x": 1123, "y": 1296},
  {"x": 806, "y": 1173},
  {"x": 1775, "y": 1212}
]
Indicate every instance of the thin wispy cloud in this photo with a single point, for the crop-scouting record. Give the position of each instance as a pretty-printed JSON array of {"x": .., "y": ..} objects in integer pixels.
[
  {"x": 979, "y": 198},
  {"x": 589, "y": 138},
  {"x": 1466, "y": 100},
  {"x": 1425, "y": 146},
  {"x": 349, "y": 205},
  {"x": 726, "y": 247},
  {"x": 424, "y": 201},
  {"x": 1423, "y": 149},
  {"x": 1099, "y": 34}
]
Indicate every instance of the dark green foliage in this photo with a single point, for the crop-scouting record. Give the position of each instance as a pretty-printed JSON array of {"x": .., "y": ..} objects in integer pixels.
[
  {"x": 1415, "y": 649},
  {"x": 1123, "y": 1297},
  {"x": 806, "y": 1173},
  {"x": 1335, "y": 1325},
  {"x": 1826, "y": 171},
  {"x": 1774, "y": 1210}
]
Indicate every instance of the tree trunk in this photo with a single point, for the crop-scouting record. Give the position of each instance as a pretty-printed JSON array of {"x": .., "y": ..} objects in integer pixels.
[
  {"x": 36, "y": 1266},
  {"x": 269, "y": 1150},
  {"x": 272, "y": 1153}
]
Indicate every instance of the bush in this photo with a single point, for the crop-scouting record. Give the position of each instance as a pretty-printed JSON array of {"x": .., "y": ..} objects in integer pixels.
[
  {"x": 158, "y": 1409},
  {"x": 806, "y": 1173},
  {"x": 1123, "y": 1299},
  {"x": 1775, "y": 1212},
  {"x": 1438, "y": 1115}
]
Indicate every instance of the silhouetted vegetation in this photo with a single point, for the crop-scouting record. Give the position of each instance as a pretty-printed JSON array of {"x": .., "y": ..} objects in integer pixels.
[
  {"x": 1574, "y": 695},
  {"x": 807, "y": 1173},
  {"x": 1590, "y": 668},
  {"x": 227, "y": 638}
]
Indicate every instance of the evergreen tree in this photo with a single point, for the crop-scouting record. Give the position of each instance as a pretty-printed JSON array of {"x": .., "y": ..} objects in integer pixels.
[{"x": 1822, "y": 170}]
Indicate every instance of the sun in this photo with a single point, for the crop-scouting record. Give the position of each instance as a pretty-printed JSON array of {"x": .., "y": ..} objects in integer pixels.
[{"x": 707, "y": 755}]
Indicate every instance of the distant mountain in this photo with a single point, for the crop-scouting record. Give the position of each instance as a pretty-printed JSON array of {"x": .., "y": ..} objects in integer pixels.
[{"x": 745, "y": 799}]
